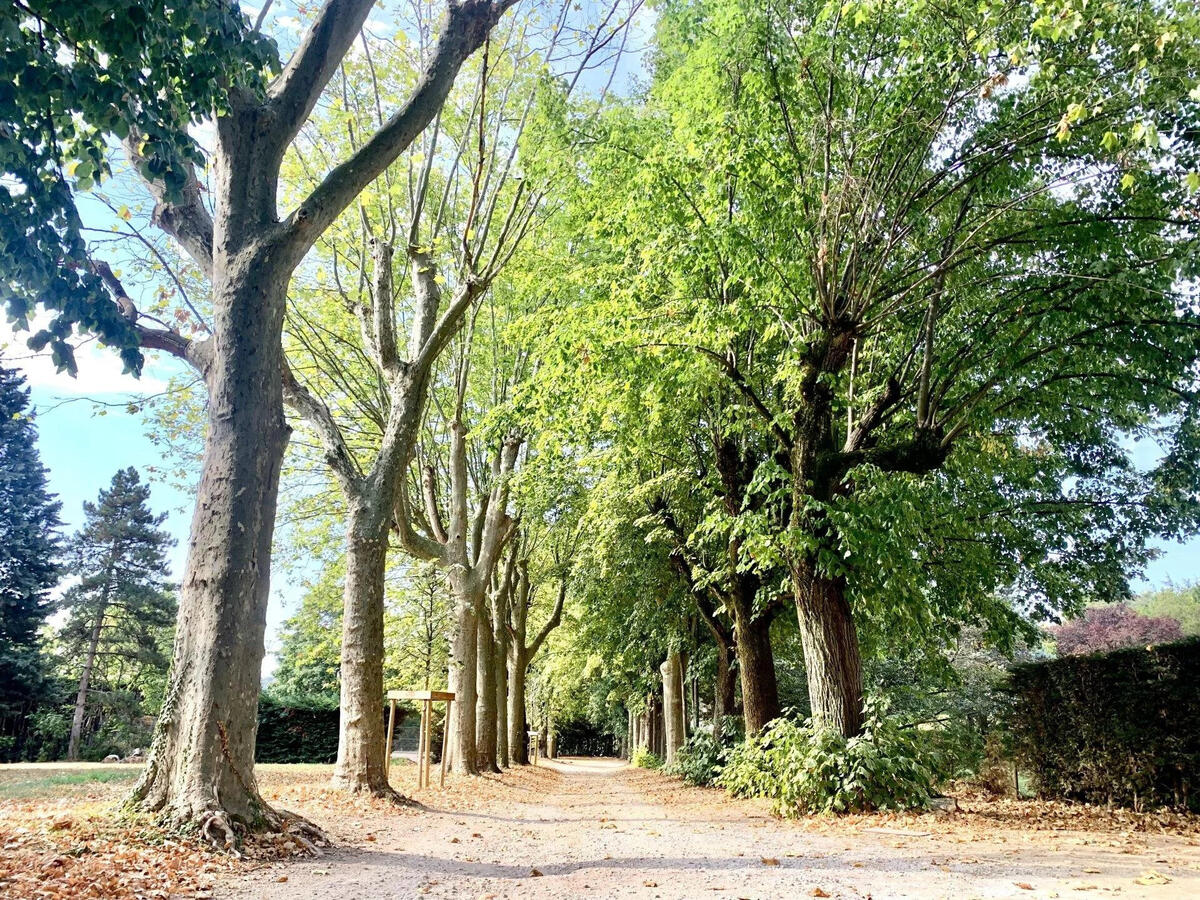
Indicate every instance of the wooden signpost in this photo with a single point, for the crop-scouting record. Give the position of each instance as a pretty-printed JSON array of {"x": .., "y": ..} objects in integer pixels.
[{"x": 427, "y": 698}]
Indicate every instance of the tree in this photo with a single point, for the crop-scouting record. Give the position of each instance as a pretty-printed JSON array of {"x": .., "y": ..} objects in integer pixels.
[
  {"x": 462, "y": 201},
  {"x": 200, "y": 768},
  {"x": 942, "y": 261},
  {"x": 29, "y": 553},
  {"x": 1111, "y": 626},
  {"x": 1180, "y": 602},
  {"x": 309, "y": 643},
  {"x": 123, "y": 597}
]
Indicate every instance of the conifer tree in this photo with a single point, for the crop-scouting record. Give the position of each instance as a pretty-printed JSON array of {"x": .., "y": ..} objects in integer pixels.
[
  {"x": 123, "y": 600},
  {"x": 28, "y": 559}
]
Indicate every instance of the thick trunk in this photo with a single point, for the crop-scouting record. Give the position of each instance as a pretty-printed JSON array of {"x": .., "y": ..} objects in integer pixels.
[
  {"x": 831, "y": 653},
  {"x": 518, "y": 741},
  {"x": 85, "y": 678},
  {"x": 360, "y": 760},
  {"x": 463, "y": 650},
  {"x": 485, "y": 703},
  {"x": 673, "y": 712},
  {"x": 201, "y": 764},
  {"x": 756, "y": 662}
]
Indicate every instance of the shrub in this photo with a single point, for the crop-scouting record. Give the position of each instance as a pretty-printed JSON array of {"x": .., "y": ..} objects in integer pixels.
[
  {"x": 644, "y": 759},
  {"x": 1120, "y": 727},
  {"x": 805, "y": 769},
  {"x": 698, "y": 761}
]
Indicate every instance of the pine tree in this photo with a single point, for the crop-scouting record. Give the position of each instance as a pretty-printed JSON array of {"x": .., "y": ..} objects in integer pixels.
[
  {"x": 28, "y": 560},
  {"x": 117, "y": 612}
]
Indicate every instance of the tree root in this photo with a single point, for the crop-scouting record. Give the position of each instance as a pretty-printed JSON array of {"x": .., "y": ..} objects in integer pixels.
[
  {"x": 216, "y": 828},
  {"x": 305, "y": 833}
]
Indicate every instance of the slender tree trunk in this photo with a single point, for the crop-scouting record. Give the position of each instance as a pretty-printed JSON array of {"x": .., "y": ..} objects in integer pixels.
[
  {"x": 673, "y": 712},
  {"x": 463, "y": 650},
  {"x": 85, "y": 678},
  {"x": 725, "y": 689},
  {"x": 361, "y": 754},
  {"x": 756, "y": 664},
  {"x": 201, "y": 764},
  {"x": 831, "y": 653},
  {"x": 503, "y": 755},
  {"x": 518, "y": 741},
  {"x": 485, "y": 704}
]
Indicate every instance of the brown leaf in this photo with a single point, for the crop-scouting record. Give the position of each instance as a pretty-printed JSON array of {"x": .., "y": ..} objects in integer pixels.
[
  {"x": 1152, "y": 877},
  {"x": 817, "y": 892},
  {"x": 770, "y": 861},
  {"x": 650, "y": 884},
  {"x": 1024, "y": 885},
  {"x": 535, "y": 873}
]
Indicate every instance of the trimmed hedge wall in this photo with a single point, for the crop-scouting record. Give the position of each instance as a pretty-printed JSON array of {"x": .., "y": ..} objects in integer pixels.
[
  {"x": 1120, "y": 727},
  {"x": 290, "y": 734}
]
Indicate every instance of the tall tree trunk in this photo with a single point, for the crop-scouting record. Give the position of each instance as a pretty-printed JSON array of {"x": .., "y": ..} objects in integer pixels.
[
  {"x": 725, "y": 689},
  {"x": 756, "y": 665},
  {"x": 85, "y": 678},
  {"x": 463, "y": 650},
  {"x": 361, "y": 754},
  {"x": 673, "y": 712},
  {"x": 831, "y": 653},
  {"x": 201, "y": 764},
  {"x": 500, "y": 632},
  {"x": 518, "y": 740},
  {"x": 485, "y": 703}
]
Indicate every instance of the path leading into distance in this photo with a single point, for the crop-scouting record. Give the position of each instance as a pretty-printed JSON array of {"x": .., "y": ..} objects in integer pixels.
[{"x": 595, "y": 828}]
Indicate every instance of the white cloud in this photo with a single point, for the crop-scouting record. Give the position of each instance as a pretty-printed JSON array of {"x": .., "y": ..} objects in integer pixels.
[{"x": 100, "y": 368}]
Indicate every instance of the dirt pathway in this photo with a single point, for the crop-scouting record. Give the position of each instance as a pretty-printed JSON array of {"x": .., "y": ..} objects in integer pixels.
[{"x": 595, "y": 828}]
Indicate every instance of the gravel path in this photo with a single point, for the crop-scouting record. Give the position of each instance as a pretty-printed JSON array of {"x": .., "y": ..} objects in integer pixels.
[{"x": 595, "y": 828}]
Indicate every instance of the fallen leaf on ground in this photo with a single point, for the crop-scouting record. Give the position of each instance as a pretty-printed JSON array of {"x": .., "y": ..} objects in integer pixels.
[
  {"x": 817, "y": 892},
  {"x": 1024, "y": 885},
  {"x": 770, "y": 861},
  {"x": 535, "y": 873},
  {"x": 650, "y": 884},
  {"x": 1152, "y": 877}
]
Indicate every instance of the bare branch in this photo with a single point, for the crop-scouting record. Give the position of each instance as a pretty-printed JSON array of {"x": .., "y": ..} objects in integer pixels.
[
  {"x": 294, "y": 93},
  {"x": 466, "y": 26},
  {"x": 314, "y": 411}
]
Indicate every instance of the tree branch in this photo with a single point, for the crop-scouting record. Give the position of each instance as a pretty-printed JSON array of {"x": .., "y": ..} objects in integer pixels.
[
  {"x": 185, "y": 219},
  {"x": 466, "y": 25},
  {"x": 197, "y": 354},
  {"x": 314, "y": 411},
  {"x": 294, "y": 94}
]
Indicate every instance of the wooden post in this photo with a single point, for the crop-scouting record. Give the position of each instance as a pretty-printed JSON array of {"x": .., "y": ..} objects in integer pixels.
[
  {"x": 425, "y": 739},
  {"x": 387, "y": 754},
  {"x": 429, "y": 739},
  {"x": 445, "y": 743},
  {"x": 421, "y": 751}
]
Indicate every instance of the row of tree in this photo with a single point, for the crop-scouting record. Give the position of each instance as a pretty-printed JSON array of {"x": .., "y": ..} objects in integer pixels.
[{"x": 849, "y": 309}]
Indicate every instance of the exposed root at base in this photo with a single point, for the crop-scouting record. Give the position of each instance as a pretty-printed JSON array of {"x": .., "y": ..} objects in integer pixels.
[
  {"x": 302, "y": 831},
  {"x": 215, "y": 828}
]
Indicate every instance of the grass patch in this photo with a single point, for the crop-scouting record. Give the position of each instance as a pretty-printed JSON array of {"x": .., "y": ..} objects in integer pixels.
[{"x": 19, "y": 785}]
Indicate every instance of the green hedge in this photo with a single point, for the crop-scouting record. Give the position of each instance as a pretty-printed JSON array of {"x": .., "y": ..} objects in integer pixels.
[
  {"x": 294, "y": 734},
  {"x": 1120, "y": 727}
]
